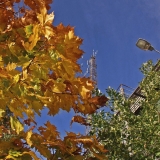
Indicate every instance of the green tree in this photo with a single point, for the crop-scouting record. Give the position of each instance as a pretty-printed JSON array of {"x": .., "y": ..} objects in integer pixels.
[{"x": 126, "y": 135}]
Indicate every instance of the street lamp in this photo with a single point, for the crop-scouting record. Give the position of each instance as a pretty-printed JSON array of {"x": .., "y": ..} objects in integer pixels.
[{"x": 144, "y": 45}]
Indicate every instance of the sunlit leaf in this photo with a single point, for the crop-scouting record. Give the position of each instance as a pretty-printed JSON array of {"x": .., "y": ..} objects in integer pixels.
[
  {"x": 16, "y": 125},
  {"x": 16, "y": 78},
  {"x": 29, "y": 134},
  {"x": 32, "y": 39},
  {"x": 13, "y": 154},
  {"x": 11, "y": 66}
]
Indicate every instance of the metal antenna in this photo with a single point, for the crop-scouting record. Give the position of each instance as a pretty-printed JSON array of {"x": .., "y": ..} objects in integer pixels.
[{"x": 93, "y": 68}]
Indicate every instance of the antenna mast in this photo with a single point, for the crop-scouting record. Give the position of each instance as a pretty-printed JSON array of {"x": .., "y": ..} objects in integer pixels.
[{"x": 92, "y": 68}]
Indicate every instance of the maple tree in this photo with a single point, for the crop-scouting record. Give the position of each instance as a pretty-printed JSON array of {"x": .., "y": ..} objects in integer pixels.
[{"x": 38, "y": 66}]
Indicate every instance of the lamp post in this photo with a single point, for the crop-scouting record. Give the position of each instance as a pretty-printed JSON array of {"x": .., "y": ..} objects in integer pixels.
[{"x": 144, "y": 45}]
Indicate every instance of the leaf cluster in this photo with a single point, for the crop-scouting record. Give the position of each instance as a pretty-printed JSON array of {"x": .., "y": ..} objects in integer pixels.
[{"x": 38, "y": 68}]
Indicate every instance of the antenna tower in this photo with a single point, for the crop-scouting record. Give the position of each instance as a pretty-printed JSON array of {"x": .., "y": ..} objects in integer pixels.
[{"x": 92, "y": 68}]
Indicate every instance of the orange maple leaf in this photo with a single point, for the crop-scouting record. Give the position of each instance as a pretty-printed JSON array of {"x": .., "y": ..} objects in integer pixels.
[
  {"x": 99, "y": 100},
  {"x": 79, "y": 119}
]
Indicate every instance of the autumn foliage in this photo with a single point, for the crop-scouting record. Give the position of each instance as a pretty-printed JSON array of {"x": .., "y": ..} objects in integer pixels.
[{"x": 38, "y": 67}]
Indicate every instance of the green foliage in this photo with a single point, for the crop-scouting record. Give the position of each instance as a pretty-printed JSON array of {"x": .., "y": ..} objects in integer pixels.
[{"x": 126, "y": 135}]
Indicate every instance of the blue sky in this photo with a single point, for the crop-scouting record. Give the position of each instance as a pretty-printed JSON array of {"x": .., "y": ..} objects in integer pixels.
[{"x": 112, "y": 28}]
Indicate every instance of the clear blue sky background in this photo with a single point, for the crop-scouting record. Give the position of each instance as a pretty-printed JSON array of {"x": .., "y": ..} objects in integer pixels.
[{"x": 112, "y": 27}]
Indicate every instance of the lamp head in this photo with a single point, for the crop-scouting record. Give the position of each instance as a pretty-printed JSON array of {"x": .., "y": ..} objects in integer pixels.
[{"x": 144, "y": 45}]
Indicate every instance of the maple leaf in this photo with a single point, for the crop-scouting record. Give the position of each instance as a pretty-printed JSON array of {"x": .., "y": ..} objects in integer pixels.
[
  {"x": 59, "y": 86},
  {"x": 79, "y": 119},
  {"x": 68, "y": 68},
  {"x": 48, "y": 32},
  {"x": 50, "y": 131},
  {"x": 11, "y": 66},
  {"x": 32, "y": 39},
  {"x": 29, "y": 134},
  {"x": 44, "y": 18},
  {"x": 99, "y": 100},
  {"x": 14, "y": 154},
  {"x": 16, "y": 125}
]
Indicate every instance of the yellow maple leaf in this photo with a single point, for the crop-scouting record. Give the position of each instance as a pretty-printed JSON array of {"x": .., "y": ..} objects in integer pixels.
[
  {"x": 46, "y": 21},
  {"x": 69, "y": 35},
  {"x": 41, "y": 16},
  {"x": 84, "y": 92},
  {"x": 14, "y": 105},
  {"x": 24, "y": 74},
  {"x": 16, "y": 78},
  {"x": 48, "y": 32},
  {"x": 29, "y": 134},
  {"x": 68, "y": 68},
  {"x": 11, "y": 66},
  {"x": 45, "y": 18},
  {"x": 16, "y": 125},
  {"x": 13, "y": 154},
  {"x": 32, "y": 39},
  {"x": 59, "y": 87},
  {"x": 30, "y": 112},
  {"x": 49, "y": 19}
]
